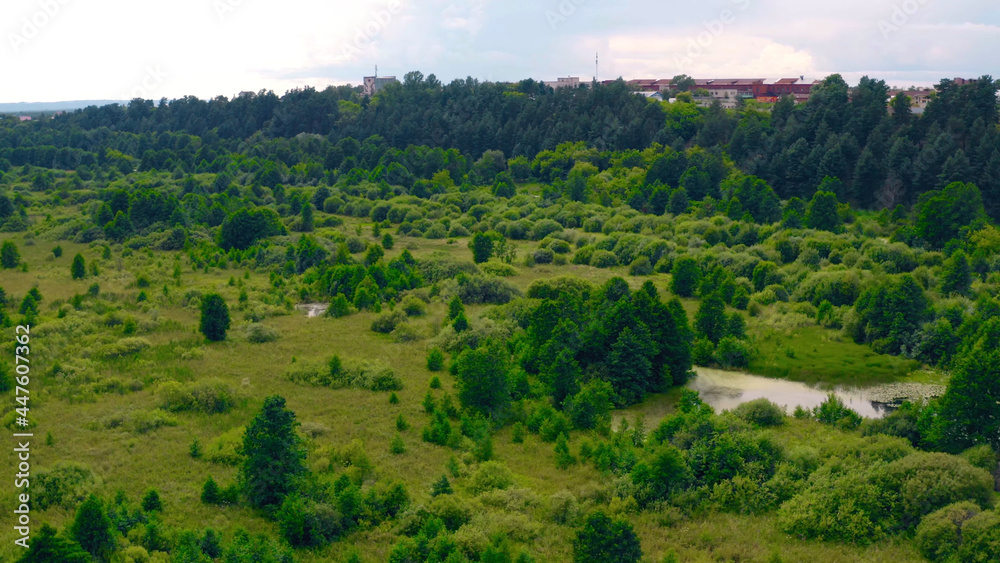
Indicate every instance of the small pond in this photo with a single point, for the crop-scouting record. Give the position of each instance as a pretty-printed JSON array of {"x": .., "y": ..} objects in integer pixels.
[{"x": 724, "y": 390}]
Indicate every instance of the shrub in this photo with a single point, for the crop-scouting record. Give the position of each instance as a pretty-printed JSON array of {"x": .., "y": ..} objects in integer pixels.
[
  {"x": 413, "y": 306},
  {"x": 64, "y": 484},
  {"x": 603, "y": 259},
  {"x": 833, "y": 411},
  {"x": 387, "y": 321},
  {"x": 497, "y": 268},
  {"x": 542, "y": 256},
  {"x": 939, "y": 534},
  {"x": 640, "y": 267},
  {"x": 257, "y": 333},
  {"x": 210, "y": 397},
  {"x": 491, "y": 475},
  {"x": 733, "y": 353},
  {"x": 761, "y": 412},
  {"x": 435, "y": 360},
  {"x": 123, "y": 348},
  {"x": 482, "y": 289}
]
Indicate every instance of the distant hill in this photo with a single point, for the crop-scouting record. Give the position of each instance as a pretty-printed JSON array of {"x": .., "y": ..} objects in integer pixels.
[{"x": 36, "y": 107}]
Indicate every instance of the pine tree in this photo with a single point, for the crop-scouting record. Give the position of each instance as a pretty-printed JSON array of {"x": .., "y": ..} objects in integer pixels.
[
  {"x": 482, "y": 248},
  {"x": 630, "y": 368},
  {"x": 78, "y": 270},
  {"x": 603, "y": 540},
  {"x": 214, "y": 317},
  {"x": 47, "y": 547},
  {"x": 563, "y": 377},
  {"x": 273, "y": 454},
  {"x": 92, "y": 529},
  {"x": 151, "y": 501},
  {"x": 484, "y": 385},
  {"x": 9, "y": 255},
  {"x": 441, "y": 487},
  {"x": 210, "y": 492}
]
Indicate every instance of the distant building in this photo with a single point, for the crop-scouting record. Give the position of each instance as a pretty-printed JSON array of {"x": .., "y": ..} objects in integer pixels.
[
  {"x": 919, "y": 98},
  {"x": 24, "y": 118},
  {"x": 373, "y": 84},
  {"x": 567, "y": 82},
  {"x": 651, "y": 95}
]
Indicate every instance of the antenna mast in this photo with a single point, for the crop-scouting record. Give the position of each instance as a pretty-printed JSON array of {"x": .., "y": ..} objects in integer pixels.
[{"x": 597, "y": 66}]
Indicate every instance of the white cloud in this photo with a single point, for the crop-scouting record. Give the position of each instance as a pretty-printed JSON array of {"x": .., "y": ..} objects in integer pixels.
[{"x": 101, "y": 48}]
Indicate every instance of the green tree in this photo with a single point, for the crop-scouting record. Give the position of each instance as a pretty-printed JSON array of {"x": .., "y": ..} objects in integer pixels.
[
  {"x": 273, "y": 455},
  {"x": 306, "y": 224},
  {"x": 956, "y": 275},
  {"x": 942, "y": 215},
  {"x": 630, "y": 368},
  {"x": 686, "y": 276},
  {"x": 484, "y": 385},
  {"x": 9, "y": 256},
  {"x": 151, "y": 501},
  {"x": 970, "y": 408},
  {"x": 603, "y": 540},
  {"x": 47, "y": 547},
  {"x": 78, "y": 269},
  {"x": 482, "y": 247},
  {"x": 92, "y": 529},
  {"x": 214, "y": 317},
  {"x": 822, "y": 212},
  {"x": 562, "y": 377},
  {"x": 711, "y": 319}
]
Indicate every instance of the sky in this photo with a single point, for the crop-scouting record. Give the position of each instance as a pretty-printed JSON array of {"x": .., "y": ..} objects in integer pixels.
[{"x": 54, "y": 50}]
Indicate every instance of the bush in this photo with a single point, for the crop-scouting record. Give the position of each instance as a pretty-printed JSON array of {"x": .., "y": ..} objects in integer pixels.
[
  {"x": 123, "y": 348},
  {"x": 257, "y": 333},
  {"x": 603, "y": 259},
  {"x": 489, "y": 476},
  {"x": 413, "y": 306},
  {"x": 733, "y": 353},
  {"x": 497, "y": 268},
  {"x": 761, "y": 412},
  {"x": 832, "y": 411},
  {"x": 542, "y": 256},
  {"x": 939, "y": 534},
  {"x": 641, "y": 267},
  {"x": 65, "y": 484},
  {"x": 479, "y": 289},
  {"x": 387, "y": 321},
  {"x": 210, "y": 397}
]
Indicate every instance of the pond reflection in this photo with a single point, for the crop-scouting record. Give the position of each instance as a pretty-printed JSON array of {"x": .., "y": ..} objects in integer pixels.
[{"x": 724, "y": 390}]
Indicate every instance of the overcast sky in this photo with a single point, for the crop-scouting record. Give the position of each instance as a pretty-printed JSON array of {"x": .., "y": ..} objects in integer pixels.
[{"x": 117, "y": 49}]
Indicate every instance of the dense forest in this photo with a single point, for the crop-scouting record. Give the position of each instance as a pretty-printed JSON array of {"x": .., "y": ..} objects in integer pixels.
[{"x": 516, "y": 283}]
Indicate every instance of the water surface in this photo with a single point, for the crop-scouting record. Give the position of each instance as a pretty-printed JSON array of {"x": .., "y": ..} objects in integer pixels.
[{"x": 725, "y": 390}]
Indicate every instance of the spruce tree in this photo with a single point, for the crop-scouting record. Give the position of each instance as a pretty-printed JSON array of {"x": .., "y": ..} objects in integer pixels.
[
  {"x": 214, "y": 317},
  {"x": 273, "y": 454},
  {"x": 602, "y": 540},
  {"x": 78, "y": 270},
  {"x": 92, "y": 529},
  {"x": 9, "y": 255},
  {"x": 47, "y": 547}
]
